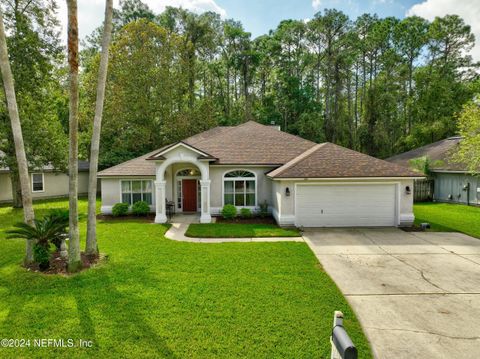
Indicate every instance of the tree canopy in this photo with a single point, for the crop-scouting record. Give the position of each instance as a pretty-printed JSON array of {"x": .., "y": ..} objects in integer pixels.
[{"x": 377, "y": 85}]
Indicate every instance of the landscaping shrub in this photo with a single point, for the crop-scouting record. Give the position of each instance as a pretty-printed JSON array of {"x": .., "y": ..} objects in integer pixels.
[
  {"x": 120, "y": 209},
  {"x": 229, "y": 211},
  {"x": 246, "y": 213},
  {"x": 140, "y": 208},
  {"x": 41, "y": 255},
  {"x": 264, "y": 209},
  {"x": 43, "y": 231},
  {"x": 60, "y": 216}
]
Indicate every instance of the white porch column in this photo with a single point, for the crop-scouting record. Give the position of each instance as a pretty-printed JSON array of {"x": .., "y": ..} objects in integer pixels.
[
  {"x": 205, "y": 205},
  {"x": 161, "y": 215}
]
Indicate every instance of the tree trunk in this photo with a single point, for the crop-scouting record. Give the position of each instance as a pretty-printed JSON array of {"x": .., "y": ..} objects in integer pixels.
[
  {"x": 16, "y": 188},
  {"x": 74, "y": 260},
  {"x": 91, "y": 246},
  {"x": 22, "y": 164}
]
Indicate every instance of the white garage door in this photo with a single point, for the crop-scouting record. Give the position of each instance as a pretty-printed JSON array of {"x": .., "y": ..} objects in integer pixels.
[{"x": 345, "y": 205}]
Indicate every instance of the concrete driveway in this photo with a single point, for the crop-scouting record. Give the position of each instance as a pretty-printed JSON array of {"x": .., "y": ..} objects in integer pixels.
[{"x": 417, "y": 295}]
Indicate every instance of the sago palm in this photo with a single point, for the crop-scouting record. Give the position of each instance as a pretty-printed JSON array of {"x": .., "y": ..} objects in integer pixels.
[{"x": 44, "y": 231}]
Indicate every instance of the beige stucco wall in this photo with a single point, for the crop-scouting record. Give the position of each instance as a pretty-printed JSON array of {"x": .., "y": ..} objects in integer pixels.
[
  {"x": 111, "y": 192},
  {"x": 284, "y": 207},
  {"x": 264, "y": 184},
  {"x": 55, "y": 185},
  {"x": 5, "y": 187}
]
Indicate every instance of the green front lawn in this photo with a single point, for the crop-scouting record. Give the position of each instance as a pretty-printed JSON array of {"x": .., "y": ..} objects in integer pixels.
[
  {"x": 160, "y": 298},
  {"x": 235, "y": 230},
  {"x": 449, "y": 217}
]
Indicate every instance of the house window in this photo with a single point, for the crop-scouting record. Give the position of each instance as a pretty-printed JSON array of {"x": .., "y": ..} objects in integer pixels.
[
  {"x": 37, "y": 182},
  {"x": 135, "y": 191},
  {"x": 179, "y": 194},
  {"x": 239, "y": 188},
  {"x": 188, "y": 172}
]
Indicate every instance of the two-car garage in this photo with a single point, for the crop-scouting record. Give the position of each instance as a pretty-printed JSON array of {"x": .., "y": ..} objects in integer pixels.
[
  {"x": 332, "y": 186},
  {"x": 346, "y": 205}
]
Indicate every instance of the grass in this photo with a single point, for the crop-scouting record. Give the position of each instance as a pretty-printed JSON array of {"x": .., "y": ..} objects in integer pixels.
[
  {"x": 449, "y": 217},
  {"x": 160, "y": 298},
  {"x": 235, "y": 230}
]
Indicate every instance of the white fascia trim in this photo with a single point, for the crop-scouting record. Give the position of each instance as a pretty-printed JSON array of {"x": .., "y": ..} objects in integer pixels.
[
  {"x": 183, "y": 145},
  {"x": 460, "y": 172},
  {"x": 345, "y": 179}
]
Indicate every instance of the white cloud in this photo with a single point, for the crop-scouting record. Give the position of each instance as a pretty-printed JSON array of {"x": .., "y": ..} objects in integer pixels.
[
  {"x": 316, "y": 4},
  {"x": 91, "y": 12},
  {"x": 467, "y": 9},
  {"x": 196, "y": 6}
]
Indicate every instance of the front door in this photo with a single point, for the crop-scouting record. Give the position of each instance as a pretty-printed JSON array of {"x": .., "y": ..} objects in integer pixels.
[{"x": 189, "y": 188}]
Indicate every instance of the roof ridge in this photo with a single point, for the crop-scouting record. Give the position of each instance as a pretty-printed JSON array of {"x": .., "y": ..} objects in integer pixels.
[
  {"x": 427, "y": 146},
  {"x": 297, "y": 159}
]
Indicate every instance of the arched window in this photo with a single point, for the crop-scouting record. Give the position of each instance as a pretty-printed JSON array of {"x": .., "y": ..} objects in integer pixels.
[
  {"x": 240, "y": 188},
  {"x": 188, "y": 172}
]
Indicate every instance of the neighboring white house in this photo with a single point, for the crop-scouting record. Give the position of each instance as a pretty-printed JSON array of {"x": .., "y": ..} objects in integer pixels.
[
  {"x": 453, "y": 182},
  {"x": 45, "y": 182},
  {"x": 303, "y": 183}
]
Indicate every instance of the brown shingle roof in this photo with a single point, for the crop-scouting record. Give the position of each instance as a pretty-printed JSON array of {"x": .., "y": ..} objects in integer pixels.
[
  {"x": 135, "y": 167},
  {"x": 249, "y": 143},
  {"x": 253, "y": 143},
  {"x": 328, "y": 160},
  {"x": 439, "y": 153}
]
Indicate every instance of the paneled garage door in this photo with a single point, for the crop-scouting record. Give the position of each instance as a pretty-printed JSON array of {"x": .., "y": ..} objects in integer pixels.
[{"x": 349, "y": 205}]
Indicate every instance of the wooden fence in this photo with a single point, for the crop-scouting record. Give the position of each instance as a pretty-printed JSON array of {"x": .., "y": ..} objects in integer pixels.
[{"x": 423, "y": 190}]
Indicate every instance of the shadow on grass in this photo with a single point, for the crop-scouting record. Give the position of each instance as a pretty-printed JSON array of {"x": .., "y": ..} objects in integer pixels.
[{"x": 124, "y": 311}]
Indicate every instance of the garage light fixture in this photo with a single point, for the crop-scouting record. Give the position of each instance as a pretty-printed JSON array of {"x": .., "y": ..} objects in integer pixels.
[
  {"x": 408, "y": 190},
  {"x": 287, "y": 192}
]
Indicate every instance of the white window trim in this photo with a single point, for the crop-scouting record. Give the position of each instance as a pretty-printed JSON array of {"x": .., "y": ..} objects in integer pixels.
[
  {"x": 179, "y": 178},
  {"x": 180, "y": 144},
  {"x": 131, "y": 193},
  {"x": 254, "y": 178},
  {"x": 43, "y": 182}
]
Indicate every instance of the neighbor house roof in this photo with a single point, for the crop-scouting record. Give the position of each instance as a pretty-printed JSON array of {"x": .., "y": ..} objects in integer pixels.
[
  {"x": 82, "y": 166},
  {"x": 328, "y": 160},
  {"x": 439, "y": 153},
  {"x": 252, "y": 143}
]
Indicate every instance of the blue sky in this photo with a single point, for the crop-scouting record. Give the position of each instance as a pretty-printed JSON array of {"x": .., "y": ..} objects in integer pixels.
[{"x": 260, "y": 16}]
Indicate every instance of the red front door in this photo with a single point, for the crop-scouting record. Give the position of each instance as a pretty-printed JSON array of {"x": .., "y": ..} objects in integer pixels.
[{"x": 189, "y": 189}]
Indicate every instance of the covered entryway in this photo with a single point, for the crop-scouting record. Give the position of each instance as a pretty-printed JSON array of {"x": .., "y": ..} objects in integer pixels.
[
  {"x": 191, "y": 185},
  {"x": 346, "y": 205}
]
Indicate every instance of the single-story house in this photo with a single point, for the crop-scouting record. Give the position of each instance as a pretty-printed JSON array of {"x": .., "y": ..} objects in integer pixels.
[
  {"x": 304, "y": 183},
  {"x": 452, "y": 180},
  {"x": 46, "y": 182}
]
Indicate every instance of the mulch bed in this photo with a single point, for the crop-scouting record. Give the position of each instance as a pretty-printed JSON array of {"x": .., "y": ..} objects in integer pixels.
[
  {"x": 58, "y": 265},
  {"x": 413, "y": 228},
  {"x": 253, "y": 220}
]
